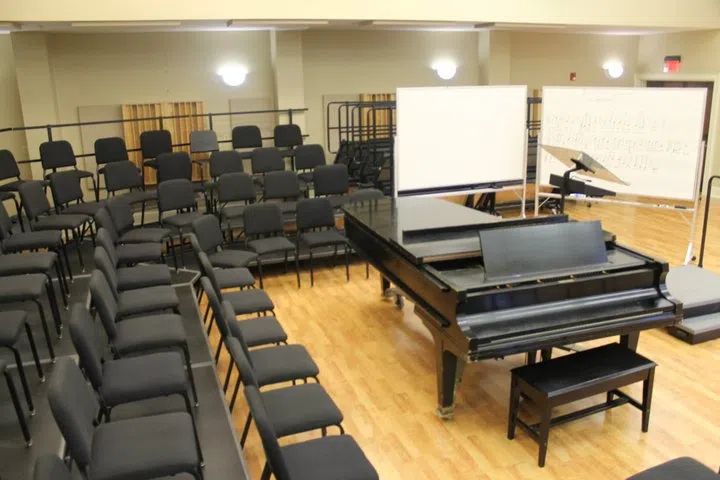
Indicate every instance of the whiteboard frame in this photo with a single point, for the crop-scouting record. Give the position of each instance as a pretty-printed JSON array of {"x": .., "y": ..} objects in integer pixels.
[{"x": 506, "y": 185}]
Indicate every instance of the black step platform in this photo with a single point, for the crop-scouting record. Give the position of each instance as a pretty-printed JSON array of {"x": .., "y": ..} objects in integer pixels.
[{"x": 699, "y": 291}]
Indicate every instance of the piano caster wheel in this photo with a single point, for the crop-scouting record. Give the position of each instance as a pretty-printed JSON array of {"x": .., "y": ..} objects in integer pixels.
[
  {"x": 399, "y": 301},
  {"x": 445, "y": 413}
]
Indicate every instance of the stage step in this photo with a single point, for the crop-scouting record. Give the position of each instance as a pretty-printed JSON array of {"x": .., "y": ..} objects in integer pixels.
[{"x": 699, "y": 290}]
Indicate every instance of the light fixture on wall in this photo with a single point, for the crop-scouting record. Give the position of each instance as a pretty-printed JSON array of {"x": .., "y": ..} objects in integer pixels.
[
  {"x": 445, "y": 69},
  {"x": 614, "y": 69},
  {"x": 233, "y": 74}
]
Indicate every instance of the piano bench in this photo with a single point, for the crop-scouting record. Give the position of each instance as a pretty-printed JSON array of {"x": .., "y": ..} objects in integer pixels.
[{"x": 573, "y": 377}]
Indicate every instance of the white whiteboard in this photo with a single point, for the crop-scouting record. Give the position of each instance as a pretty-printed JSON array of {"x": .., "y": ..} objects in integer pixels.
[
  {"x": 648, "y": 137},
  {"x": 453, "y": 138}
]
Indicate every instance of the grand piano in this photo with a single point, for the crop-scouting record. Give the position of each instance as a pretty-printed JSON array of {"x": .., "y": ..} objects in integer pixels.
[{"x": 486, "y": 287}]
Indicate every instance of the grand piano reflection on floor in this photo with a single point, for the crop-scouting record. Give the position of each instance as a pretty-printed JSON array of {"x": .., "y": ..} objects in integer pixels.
[{"x": 487, "y": 287}]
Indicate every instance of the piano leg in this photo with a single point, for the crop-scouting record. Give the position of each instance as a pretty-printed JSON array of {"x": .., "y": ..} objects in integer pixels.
[
  {"x": 630, "y": 340},
  {"x": 449, "y": 372}
]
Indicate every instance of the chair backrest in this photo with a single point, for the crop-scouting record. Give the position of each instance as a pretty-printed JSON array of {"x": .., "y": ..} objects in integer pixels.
[
  {"x": 8, "y": 166},
  {"x": 171, "y": 166},
  {"x": 122, "y": 175},
  {"x": 74, "y": 408},
  {"x": 208, "y": 233},
  {"x": 82, "y": 333},
  {"x": 209, "y": 271},
  {"x": 235, "y": 187},
  {"x": 315, "y": 213},
  {"x": 155, "y": 142},
  {"x": 267, "y": 159},
  {"x": 175, "y": 195},
  {"x": 106, "y": 239},
  {"x": 273, "y": 452},
  {"x": 104, "y": 220},
  {"x": 308, "y": 157},
  {"x": 65, "y": 187},
  {"x": 5, "y": 223},
  {"x": 50, "y": 467},
  {"x": 247, "y": 375},
  {"x": 216, "y": 306},
  {"x": 202, "y": 141},
  {"x": 366, "y": 195},
  {"x": 227, "y": 161},
  {"x": 331, "y": 179},
  {"x": 33, "y": 199},
  {"x": 281, "y": 185},
  {"x": 57, "y": 154},
  {"x": 121, "y": 213},
  {"x": 102, "y": 298},
  {"x": 110, "y": 149},
  {"x": 287, "y": 135},
  {"x": 105, "y": 265},
  {"x": 246, "y": 136},
  {"x": 263, "y": 219}
]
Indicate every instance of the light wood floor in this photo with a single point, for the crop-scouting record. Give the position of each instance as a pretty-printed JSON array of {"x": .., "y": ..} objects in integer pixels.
[{"x": 377, "y": 363}]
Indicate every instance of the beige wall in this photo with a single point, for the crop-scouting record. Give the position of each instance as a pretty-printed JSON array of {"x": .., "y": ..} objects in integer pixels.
[
  {"x": 539, "y": 59},
  {"x": 700, "y": 52},
  {"x": 354, "y": 62},
  {"x": 10, "y": 108}
]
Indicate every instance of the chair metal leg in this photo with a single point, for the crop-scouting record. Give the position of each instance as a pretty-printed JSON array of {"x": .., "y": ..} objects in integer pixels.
[
  {"x": 217, "y": 352},
  {"x": 76, "y": 239},
  {"x": 260, "y": 272},
  {"x": 65, "y": 294},
  {"x": 205, "y": 315},
  {"x": 23, "y": 380},
  {"x": 312, "y": 273},
  {"x": 46, "y": 331},
  {"x": 235, "y": 394},
  {"x": 210, "y": 324},
  {"x": 52, "y": 300},
  {"x": 334, "y": 256},
  {"x": 182, "y": 249},
  {"x": 33, "y": 348},
  {"x": 227, "y": 377},
  {"x": 297, "y": 269},
  {"x": 286, "y": 259},
  {"x": 347, "y": 263},
  {"x": 18, "y": 409},
  {"x": 246, "y": 430},
  {"x": 63, "y": 246},
  {"x": 188, "y": 365},
  {"x": 266, "y": 472},
  {"x": 367, "y": 270},
  {"x": 142, "y": 214}
]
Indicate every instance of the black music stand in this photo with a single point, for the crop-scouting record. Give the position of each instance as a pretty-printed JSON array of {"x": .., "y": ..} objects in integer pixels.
[{"x": 578, "y": 161}]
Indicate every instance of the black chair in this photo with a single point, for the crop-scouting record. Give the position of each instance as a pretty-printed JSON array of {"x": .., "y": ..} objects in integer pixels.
[
  {"x": 50, "y": 467},
  {"x": 210, "y": 240},
  {"x": 16, "y": 401},
  {"x": 30, "y": 241},
  {"x": 59, "y": 154},
  {"x": 292, "y": 410},
  {"x": 152, "y": 144},
  {"x": 336, "y": 457},
  {"x": 132, "y": 336},
  {"x": 282, "y": 186},
  {"x": 178, "y": 196},
  {"x": 11, "y": 326},
  {"x": 203, "y": 141},
  {"x": 131, "y": 278},
  {"x": 265, "y": 234},
  {"x": 9, "y": 170},
  {"x": 68, "y": 195},
  {"x": 235, "y": 191},
  {"x": 683, "y": 468},
  {"x": 148, "y": 447},
  {"x": 35, "y": 262},
  {"x": 126, "y": 380},
  {"x": 232, "y": 277},
  {"x": 41, "y": 217},
  {"x": 257, "y": 332},
  {"x": 287, "y": 137},
  {"x": 332, "y": 181},
  {"x": 264, "y": 160},
  {"x": 108, "y": 150},
  {"x": 316, "y": 229},
  {"x": 221, "y": 163},
  {"x": 246, "y": 136},
  {"x": 307, "y": 157},
  {"x": 124, "y": 175},
  {"x": 174, "y": 165},
  {"x": 130, "y": 253}
]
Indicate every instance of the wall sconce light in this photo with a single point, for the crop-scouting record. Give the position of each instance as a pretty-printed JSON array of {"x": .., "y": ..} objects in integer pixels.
[
  {"x": 614, "y": 69},
  {"x": 233, "y": 74},
  {"x": 445, "y": 69}
]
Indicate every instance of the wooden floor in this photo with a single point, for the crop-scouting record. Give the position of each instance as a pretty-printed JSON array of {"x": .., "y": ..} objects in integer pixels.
[{"x": 377, "y": 362}]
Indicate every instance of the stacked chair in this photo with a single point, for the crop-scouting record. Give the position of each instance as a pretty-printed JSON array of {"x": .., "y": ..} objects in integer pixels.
[{"x": 59, "y": 154}]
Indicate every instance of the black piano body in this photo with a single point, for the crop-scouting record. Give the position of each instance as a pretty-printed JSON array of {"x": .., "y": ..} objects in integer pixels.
[{"x": 431, "y": 250}]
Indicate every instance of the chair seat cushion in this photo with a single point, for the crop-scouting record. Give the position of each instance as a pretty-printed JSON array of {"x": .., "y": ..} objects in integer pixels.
[
  {"x": 84, "y": 174},
  {"x": 233, "y": 211},
  {"x": 301, "y": 408},
  {"x": 11, "y": 325},
  {"x": 139, "y": 378},
  {"x": 232, "y": 258},
  {"x": 60, "y": 222},
  {"x": 138, "y": 196},
  {"x": 12, "y": 186},
  {"x": 338, "y": 201},
  {"x": 139, "y": 252},
  {"x": 145, "y": 235},
  {"x": 147, "y": 447},
  {"x": 152, "y": 299},
  {"x": 234, "y": 277},
  {"x": 259, "y": 331},
  {"x": 337, "y": 457},
  {"x": 151, "y": 163},
  {"x": 83, "y": 208},
  {"x": 21, "y": 288},
  {"x": 140, "y": 334},
  {"x": 683, "y": 468},
  {"x": 263, "y": 246},
  {"x": 282, "y": 364},
  {"x": 32, "y": 240},
  {"x": 249, "y": 301},
  {"x": 143, "y": 276},
  {"x": 181, "y": 220},
  {"x": 322, "y": 238},
  {"x": 29, "y": 262}
]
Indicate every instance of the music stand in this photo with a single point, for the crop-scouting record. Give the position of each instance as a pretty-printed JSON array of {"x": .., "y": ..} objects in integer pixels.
[{"x": 579, "y": 161}]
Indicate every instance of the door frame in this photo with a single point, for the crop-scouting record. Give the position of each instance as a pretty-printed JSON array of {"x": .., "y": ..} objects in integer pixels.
[{"x": 714, "y": 128}]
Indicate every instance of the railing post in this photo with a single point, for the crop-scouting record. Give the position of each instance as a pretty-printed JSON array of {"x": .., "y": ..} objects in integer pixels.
[
  {"x": 290, "y": 119},
  {"x": 210, "y": 120},
  {"x": 162, "y": 126},
  {"x": 49, "y": 133}
]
